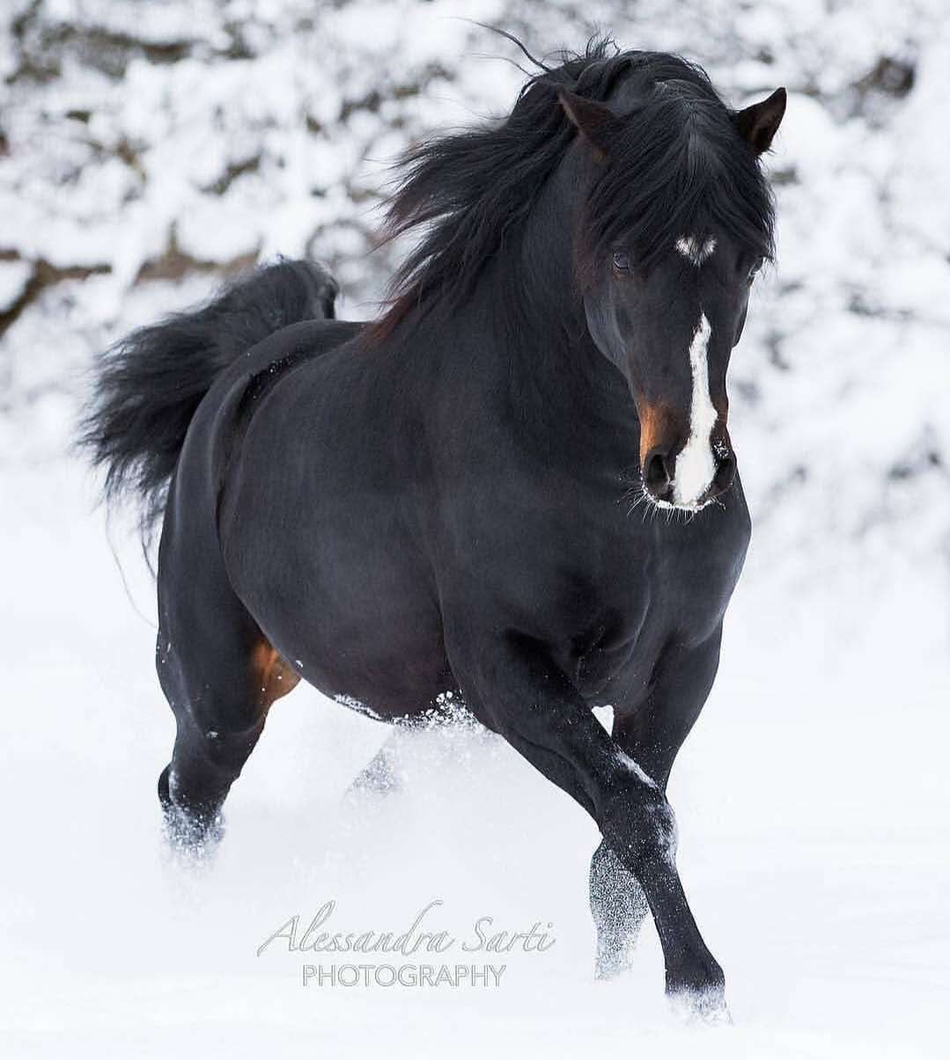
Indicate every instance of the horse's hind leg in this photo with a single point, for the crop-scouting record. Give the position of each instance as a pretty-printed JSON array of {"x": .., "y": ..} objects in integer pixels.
[
  {"x": 381, "y": 775},
  {"x": 220, "y": 676}
]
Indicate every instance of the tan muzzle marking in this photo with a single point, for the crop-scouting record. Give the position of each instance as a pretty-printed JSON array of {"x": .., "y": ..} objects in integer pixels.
[{"x": 657, "y": 424}]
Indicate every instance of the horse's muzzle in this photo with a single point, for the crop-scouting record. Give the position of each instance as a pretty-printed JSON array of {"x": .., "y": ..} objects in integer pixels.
[{"x": 659, "y": 477}]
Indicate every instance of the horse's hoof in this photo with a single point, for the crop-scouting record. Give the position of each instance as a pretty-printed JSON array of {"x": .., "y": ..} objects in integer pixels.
[
  {"x": 190, "y": 833},
  {"x": 611, "y": 962},
  {"x": 380, "y": 777},
  {"x": 605, "y": 970},
  {"x": 163, "y": 794},
  {"x": 705, "y": 1006},
  {"x": 192, "y": 841}
]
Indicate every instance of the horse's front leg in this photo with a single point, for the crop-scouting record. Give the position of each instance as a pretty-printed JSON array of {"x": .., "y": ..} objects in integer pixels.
[
  {"x": 513, "y": 684},
  {"x": 652, "y": 735}
]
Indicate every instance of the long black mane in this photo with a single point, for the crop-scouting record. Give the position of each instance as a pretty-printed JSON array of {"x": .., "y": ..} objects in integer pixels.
[{"x": 680, "y": 168}]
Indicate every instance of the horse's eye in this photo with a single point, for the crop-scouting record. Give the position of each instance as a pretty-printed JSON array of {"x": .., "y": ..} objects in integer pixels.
[
  {"x": 621, "y": 261},
  {"x": 752, "y": 272}
]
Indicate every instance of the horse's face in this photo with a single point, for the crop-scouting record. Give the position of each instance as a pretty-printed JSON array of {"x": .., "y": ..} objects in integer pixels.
[
  {"x": 670, "y": 331},
  {"x": 669, "y": 320}
]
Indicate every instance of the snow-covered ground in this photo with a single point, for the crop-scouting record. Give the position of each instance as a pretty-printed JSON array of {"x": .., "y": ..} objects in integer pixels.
[
  {"x": 812, "y": 800},
  {"x": 159, "y": 144}
]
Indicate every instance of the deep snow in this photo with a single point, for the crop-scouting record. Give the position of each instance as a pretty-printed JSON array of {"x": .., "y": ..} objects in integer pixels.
[{"x": 811, "y": 801}]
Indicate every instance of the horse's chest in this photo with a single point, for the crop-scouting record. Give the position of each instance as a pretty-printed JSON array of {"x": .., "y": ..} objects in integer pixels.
[{"x": 670, "y": 583}]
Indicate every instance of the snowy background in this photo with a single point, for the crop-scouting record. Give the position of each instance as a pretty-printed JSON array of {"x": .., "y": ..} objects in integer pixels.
[{"x": 147, "y": 149}]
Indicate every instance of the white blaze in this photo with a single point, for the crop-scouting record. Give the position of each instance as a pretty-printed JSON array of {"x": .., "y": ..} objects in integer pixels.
[{"x": 695, "y": 465}]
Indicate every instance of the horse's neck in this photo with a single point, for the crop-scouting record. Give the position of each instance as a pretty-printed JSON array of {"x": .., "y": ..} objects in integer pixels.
[
  {"x": 518, "y": 348},
  {"x": 532, "y": 298}
]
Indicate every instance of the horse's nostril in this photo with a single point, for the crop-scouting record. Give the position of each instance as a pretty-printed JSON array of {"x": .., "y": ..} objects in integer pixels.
[
  {"x": 725, "y": 473},
  {"x": 656, "y": 474}
]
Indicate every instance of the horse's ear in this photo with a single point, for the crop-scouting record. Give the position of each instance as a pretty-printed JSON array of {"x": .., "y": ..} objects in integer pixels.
[
  {"x": 759, "y": 123},
  {"x": 598, "y": 125}
]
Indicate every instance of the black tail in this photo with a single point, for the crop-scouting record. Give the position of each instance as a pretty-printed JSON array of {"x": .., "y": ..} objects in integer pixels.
[{"x": 150, "y": 384}]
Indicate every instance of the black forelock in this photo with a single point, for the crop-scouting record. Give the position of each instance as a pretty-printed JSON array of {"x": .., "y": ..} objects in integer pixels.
[{"x": 679, "y": 168}]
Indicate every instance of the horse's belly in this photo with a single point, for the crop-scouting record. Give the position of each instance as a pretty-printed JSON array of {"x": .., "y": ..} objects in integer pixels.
[
  {"x": 355, "y": 619},
  {"x": 389, "y": 676}
]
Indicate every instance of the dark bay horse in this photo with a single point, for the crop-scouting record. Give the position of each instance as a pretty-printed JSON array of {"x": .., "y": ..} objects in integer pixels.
[{"x": 517, "y": 485}]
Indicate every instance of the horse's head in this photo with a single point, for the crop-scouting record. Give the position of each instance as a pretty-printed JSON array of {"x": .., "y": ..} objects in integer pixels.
[{"x": 677, "y": 219}]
